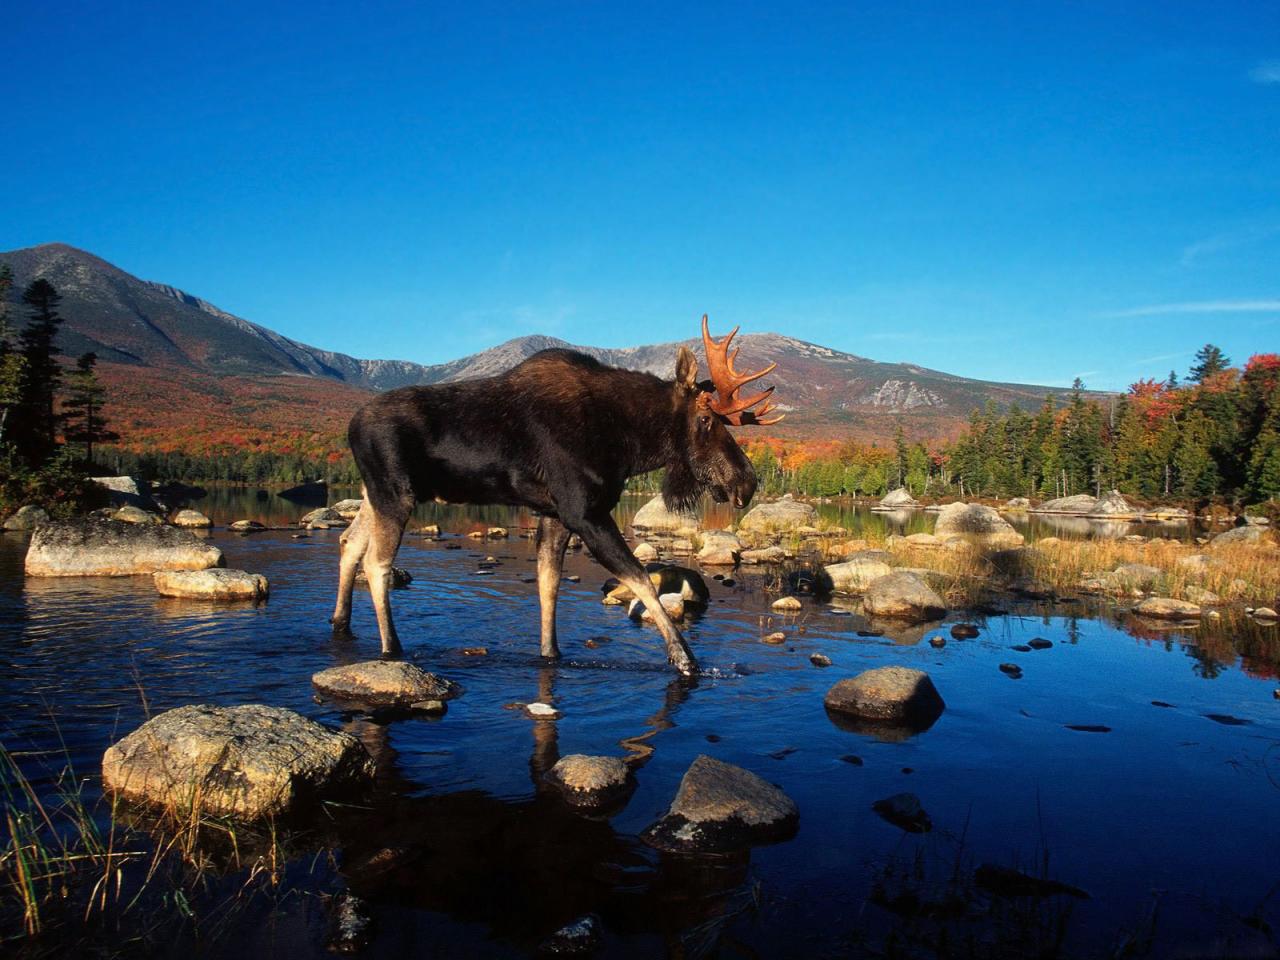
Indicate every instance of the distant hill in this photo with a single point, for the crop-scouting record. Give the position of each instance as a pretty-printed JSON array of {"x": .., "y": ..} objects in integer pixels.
[{"x": 165, "y": 352}]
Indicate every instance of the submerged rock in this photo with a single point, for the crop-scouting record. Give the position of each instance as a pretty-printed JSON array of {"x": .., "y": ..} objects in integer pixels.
[
  {"x": 214, "y": 584},
  {"x": 904, "y": 811},
  {"x": 246, "y": 526},
  {"x": 720, "y": 807},
  {"x": 1167, "y": 608},
  {"x": 780, "y": 516},
  {"x": 384, "y": 683},
  {"x": 248, "y": 762},
  {"x": 590, "y": 782},
  {"x": 888, "y": 695},
  {"x": 1006, "y": 882},
  {"x": 109, "y": 548},
  {"x": 903, "y": 595},
  {"x": 26, "y": 518}
]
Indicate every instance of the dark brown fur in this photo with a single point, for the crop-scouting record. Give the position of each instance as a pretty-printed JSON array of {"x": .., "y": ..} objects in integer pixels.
[{"x": 560, "y": 433}]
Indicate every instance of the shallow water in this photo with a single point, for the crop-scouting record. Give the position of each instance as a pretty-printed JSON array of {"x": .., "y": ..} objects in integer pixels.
[{"x": 1172, "y": 803}]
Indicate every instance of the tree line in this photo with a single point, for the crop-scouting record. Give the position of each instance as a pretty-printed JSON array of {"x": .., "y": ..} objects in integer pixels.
[{"x": 50, "y": 418}]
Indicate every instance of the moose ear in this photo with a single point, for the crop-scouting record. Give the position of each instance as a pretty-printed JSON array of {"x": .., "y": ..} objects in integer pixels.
[{"x": 687, "y": 369}]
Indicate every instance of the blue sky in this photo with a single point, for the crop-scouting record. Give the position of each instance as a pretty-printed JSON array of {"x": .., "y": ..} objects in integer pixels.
[{"x": 1019, "y": 191}]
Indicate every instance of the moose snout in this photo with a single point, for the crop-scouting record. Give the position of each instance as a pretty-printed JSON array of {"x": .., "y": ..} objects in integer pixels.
[{"x": 744, "y": 490}]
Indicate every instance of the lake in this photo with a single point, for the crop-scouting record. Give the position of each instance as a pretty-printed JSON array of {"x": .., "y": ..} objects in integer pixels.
[{"x": 1140, "y": 766}]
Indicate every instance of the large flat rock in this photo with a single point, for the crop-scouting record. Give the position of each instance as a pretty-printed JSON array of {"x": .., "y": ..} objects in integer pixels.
[
  {"x": 247, "y": 762},
  {"x": 978, "y": 523},
  {"x": 91, "y": 547},
  {"x": 394, "y": 683},
  {"x": 214, "y": 584},
  {"x": 903, "y": 595},
  {"x": 887, "y": 694}
]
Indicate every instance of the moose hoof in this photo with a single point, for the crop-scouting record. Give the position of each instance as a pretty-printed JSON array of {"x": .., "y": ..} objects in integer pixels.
[
  {"x": 682, "y": 659},
  {"x": 342, "y": 630}
]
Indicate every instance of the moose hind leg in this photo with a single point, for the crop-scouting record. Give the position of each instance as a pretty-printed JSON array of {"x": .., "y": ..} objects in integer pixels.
[
  {"x": 351, "y": 549},
  {"x": 385, "y": 530},
  {"x": 553, "y": 537},
  {"x": 602, "y": 536}
]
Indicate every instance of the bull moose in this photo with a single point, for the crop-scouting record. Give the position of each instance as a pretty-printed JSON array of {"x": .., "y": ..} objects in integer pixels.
[{"x": 559, "y": 433}]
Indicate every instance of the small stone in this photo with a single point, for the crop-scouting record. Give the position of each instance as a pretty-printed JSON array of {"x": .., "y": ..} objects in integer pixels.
[
  {"x": 787, "y": 604},
  {"x": 475, "y": 651},
  {"x": 904, "y": 811},
  {"x": 193, "y": 519},
  {"x": 937, "y": 641},
  {"x": 1021, "y": 647},
  {"x": 1011, "y": 670},
  {"x": 645, "y": 552},
  {"x": 819, "y": 660},
  {"x": 1039, "y": 643},
  {"x": 578, "y": 939},
  {"x": 852, "y": 759},
  {"x": 429, "y": 706},
  {"x": 541, "y": 711},
  {"x": 496, "y": 533},
  {"x": 430, "y": 530},
  {"x": 400, "y": 578},
  {"x": 776, "y": 639},
  {"x": 964, "y": 631},
  {"x": 132, "y": 514},
  {"x": 246, "y": 526},
  {"x": 590, "y": 782},
  {"x": 394, "y": 683}
]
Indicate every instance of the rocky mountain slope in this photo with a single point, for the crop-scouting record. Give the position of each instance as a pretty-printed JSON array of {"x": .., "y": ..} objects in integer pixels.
[{"x": 140, "y": 324}]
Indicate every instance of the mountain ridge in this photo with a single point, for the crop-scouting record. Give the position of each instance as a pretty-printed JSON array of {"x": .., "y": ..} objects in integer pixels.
[{"x": 131, "y": 322}]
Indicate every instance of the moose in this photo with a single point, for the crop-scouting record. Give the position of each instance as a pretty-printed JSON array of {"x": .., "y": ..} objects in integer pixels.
[{"x": 559, "y": 433}]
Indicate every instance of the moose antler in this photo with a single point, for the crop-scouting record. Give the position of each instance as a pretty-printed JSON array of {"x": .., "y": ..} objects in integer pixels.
[{"x": 727, "y": 405}]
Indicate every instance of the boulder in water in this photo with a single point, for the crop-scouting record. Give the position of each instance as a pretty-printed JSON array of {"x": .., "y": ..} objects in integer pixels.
[
  {"x": 1077, "y": 505},
  {"x": 890, "y": 695},
  {"x": 384, "y": 683},
  {"x": 858, "y": 572},
  {"x": 1113, "y": 506},
  {"x": 719, "y": 549},
  {"x": 87, "y": 547},
  {"x": 347, "y": 508},
  {"x": 904, "y": 595},
  {"x": 131, "y": 514},
  {"x": 1167, "y": 608},
  {"x": 191, "y": 519},
  {"x": 654, "y": 515},
  {"x": 977, "y": 523},
  {"x": 590, "y": 783},
  {"x": 26, "y": 518},
  {"x": 213, "y": 584},
  {"x": 720, "y": 808},
  {"x": 899, "y": 499},
  {"x": 248, "y": 762},
  {"x": 780, "y": 516}
]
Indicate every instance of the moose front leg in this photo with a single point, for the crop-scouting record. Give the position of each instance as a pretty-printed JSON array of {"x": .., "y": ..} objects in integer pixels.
[
  {"x": 602, "y": 537},
  {"x": 553, "y": 537}
]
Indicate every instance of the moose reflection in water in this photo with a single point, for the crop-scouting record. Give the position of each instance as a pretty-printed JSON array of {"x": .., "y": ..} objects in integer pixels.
[{"x": 522, "y": 869}]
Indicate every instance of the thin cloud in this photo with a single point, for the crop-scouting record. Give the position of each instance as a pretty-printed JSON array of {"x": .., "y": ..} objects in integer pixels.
[
  {"x": 1266, "y": 72},
  {"x": 1197, "y": 306},
  {"x": 1161, "y": 356},
  {"x": 1230, "y": 240}
]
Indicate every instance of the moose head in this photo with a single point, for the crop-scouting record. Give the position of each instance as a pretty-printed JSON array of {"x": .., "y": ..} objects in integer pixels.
[{"x": 706, "y": 457}]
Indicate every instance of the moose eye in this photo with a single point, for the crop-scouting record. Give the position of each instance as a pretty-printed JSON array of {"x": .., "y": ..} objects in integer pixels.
[{"x": 704, "y": 422}]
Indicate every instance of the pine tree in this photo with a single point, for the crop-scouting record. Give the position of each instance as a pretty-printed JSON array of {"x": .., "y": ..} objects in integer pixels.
[
  {"x": 82, "y": 409},
  {"x": 11, "y": 362},
  {"x": 1172, "y": 382},
  {"x": 1209, "y": 360},
  {"x": 1193, "y": 464},
  {"x": 34, "y": 431}
]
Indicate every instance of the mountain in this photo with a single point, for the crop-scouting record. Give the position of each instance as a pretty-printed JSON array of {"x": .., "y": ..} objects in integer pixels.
[{"x": 162, "y": 350}]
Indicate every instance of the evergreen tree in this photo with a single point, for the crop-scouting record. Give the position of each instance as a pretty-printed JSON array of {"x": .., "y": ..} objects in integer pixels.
[
  {"x": 82, "y": 409},
  {"x": 900, "y": 456},
  {"x": 1172, "y": 382},
  {"x": 1209, "y": 360},
  {"x": 11, "y": 362},
  {"x": 1197, "y": 476},
  {"x": 34, "y": 431}
]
